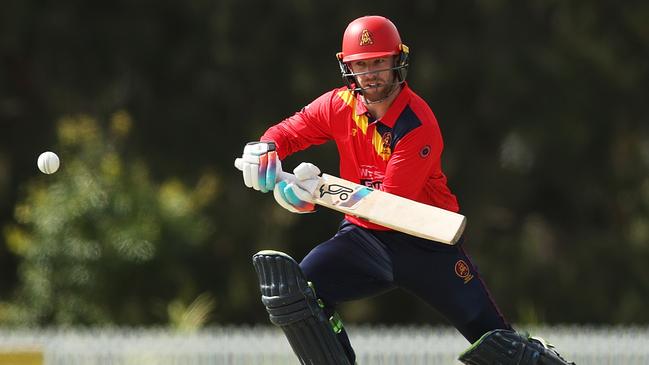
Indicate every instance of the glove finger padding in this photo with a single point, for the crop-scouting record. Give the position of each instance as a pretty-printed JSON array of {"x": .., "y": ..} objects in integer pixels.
[
  {"x": 261, "y": 165},
  {"x": 268, "y": 167},
  {"x": 250, "y": 170},
  {"x": 293, "y": 198},
  {"x": 278, "y": 194}
]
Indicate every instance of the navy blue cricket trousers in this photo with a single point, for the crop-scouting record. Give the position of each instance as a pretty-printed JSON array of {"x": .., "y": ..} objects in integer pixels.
[{"x": 358, "y": 263}]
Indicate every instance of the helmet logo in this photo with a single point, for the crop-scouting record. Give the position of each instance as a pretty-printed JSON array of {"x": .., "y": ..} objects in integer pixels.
[{"x": 366, "y": 38}]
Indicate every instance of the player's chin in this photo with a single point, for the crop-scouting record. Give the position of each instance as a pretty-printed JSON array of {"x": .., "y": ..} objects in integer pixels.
[{"x": 374, "y": 94}]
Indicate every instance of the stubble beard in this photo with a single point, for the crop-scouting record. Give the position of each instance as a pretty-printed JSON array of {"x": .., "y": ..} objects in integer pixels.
[{"x": 378, "y": 94}]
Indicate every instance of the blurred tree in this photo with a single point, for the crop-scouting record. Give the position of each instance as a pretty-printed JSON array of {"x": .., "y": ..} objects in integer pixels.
[{"x": 99, "y": 241}]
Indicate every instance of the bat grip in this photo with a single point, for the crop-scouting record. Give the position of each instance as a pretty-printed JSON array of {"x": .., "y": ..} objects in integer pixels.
[{"x": 238, "y": 163}]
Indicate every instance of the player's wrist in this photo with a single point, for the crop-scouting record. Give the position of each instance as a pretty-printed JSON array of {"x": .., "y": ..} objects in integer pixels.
[{"x": 259, "y": 147}]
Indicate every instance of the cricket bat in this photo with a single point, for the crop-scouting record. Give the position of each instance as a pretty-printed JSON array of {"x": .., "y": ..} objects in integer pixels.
[{"x": 382, "y": 208}]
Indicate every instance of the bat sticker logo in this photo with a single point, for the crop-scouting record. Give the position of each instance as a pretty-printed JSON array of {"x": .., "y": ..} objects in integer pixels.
[
  {"x": 344, "y": 196},
  {"x": 334, "y": 189}
]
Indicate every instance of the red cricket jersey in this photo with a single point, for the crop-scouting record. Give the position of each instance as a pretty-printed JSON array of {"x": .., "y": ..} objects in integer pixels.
[{"x": 399, "y": 153}]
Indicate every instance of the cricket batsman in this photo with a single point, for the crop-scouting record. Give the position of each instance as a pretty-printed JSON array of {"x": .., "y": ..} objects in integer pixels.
[{"x": 388, "y": 139}]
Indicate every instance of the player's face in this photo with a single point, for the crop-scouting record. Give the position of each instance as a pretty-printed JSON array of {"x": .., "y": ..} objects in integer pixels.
[{"x": 376, "y": 77}]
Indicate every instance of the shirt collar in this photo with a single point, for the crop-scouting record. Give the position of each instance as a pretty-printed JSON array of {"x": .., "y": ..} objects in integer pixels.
[{"x": 398, "y": 104}]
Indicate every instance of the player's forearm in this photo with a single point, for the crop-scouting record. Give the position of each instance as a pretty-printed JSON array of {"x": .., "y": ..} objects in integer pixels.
[{"x": 290, "y": 137}]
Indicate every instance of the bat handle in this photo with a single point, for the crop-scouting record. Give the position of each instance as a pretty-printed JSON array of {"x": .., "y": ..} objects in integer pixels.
[{"x": 238, "y": 163}]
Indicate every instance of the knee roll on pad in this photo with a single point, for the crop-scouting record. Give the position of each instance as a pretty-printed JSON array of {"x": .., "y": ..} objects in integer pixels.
[
  {"x": 504, "y": 347},
  {"x": 293, "y": 306}
]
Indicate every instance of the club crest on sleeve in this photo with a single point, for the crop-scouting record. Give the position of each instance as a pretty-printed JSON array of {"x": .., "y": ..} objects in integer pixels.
[
  {"x": 424, "y": 151},
  {"x": 462, "y": 271},
  {"x": 366, "y": 38}
]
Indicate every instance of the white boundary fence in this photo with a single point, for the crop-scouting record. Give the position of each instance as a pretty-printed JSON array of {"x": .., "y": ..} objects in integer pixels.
[{"x": 376, "y": 345}]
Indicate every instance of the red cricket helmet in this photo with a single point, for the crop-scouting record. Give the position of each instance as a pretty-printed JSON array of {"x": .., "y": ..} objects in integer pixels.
[{"x": 370, "y": 37}]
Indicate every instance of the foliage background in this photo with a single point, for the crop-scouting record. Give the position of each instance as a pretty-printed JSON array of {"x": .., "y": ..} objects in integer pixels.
[{"x": 543, "y": 106}]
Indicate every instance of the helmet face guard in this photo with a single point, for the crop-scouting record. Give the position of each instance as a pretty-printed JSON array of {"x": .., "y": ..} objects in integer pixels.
[
  {"x": 400, "y": 69},
  {"x": 371, "y": 37}
]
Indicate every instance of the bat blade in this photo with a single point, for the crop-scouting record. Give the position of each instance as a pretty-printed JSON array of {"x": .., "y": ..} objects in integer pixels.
[
  {"x": 389, "y": 210},
  {"x": 385, "y": 209}
]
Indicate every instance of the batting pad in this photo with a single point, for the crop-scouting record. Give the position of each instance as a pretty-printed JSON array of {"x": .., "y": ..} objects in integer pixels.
[
  {"x": 507, "y": 347},
  {"x": 292, "y": 305}
]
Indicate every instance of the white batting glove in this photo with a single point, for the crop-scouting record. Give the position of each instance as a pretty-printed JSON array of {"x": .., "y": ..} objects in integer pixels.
[
  {"x": 297, "y": 197},
  {"x": 260, "y": 166}
]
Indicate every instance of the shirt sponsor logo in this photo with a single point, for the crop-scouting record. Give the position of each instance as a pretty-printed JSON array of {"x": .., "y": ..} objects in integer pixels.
[
  {"x": 462, "y": 270},
  {"x": 372, "y": 184},
  {"x": 371, "y": 176}
]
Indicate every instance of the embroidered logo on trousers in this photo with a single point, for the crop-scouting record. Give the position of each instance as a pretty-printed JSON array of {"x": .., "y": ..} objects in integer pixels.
[{"x": 462, "y": 270}]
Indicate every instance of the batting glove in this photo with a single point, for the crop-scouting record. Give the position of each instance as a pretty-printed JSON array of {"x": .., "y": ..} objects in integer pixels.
[
  {"x": 260, "y": 166},
  {"x": 297, "y": 196}
]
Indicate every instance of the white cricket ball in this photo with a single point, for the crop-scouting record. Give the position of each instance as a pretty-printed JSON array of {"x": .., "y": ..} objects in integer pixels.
[{"x": 48, "y": 162}]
